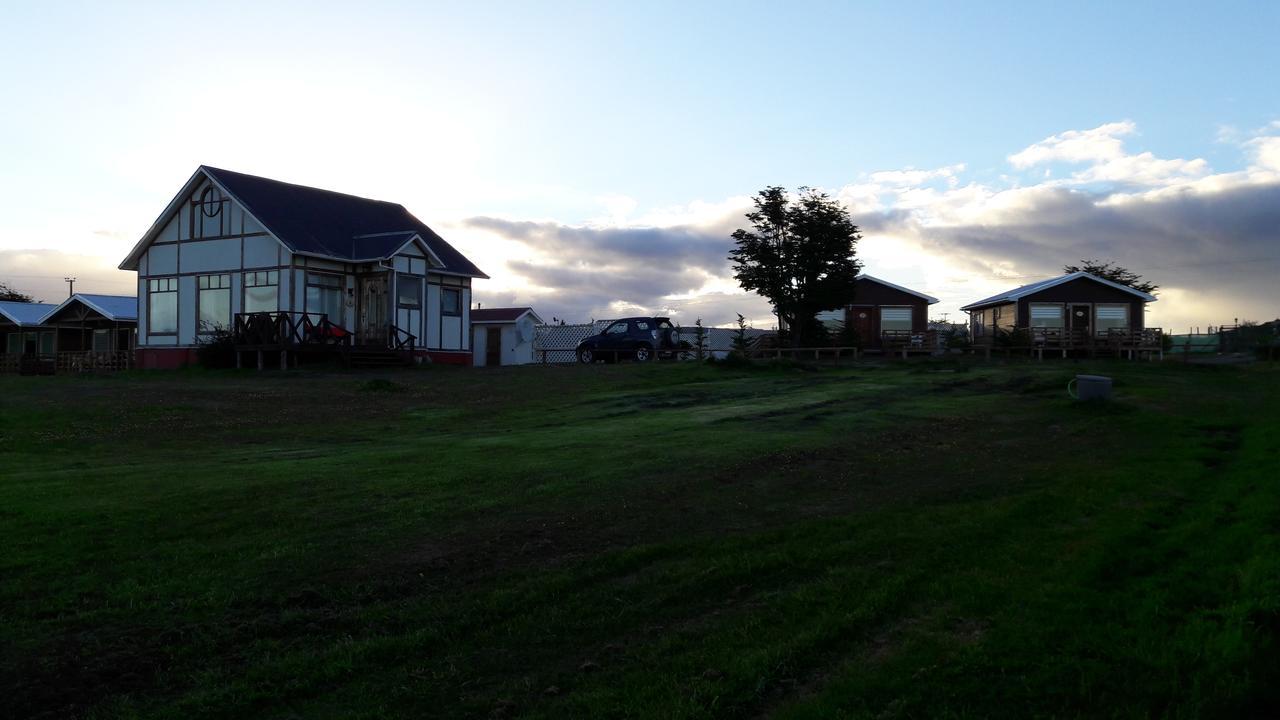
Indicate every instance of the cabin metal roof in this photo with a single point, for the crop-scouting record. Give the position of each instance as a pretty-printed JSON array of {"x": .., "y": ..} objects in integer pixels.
[
  {"x": 1035, "y": 287},
  {"x": 118, "y": 308},
  {"x": 928, "y": 298},
  {"x": 24, "y": 314}
]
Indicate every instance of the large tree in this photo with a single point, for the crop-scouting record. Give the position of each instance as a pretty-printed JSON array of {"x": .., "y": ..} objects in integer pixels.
[
  {"x": 1114, "y": 273},
  {"x": 800, "y": 253},
  {"x": 8, "y": 293}
]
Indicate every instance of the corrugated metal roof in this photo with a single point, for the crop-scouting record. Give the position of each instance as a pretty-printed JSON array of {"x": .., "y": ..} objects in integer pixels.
[
  {"x": 120, "y": 308},
  {"x": 21, "y": 313},
  {"x": 1023, "y": 291}
]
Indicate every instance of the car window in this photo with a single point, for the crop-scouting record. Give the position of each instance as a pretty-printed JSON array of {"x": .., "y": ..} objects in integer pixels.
[
  {"x": 665, "y": 324},
  {"x": 618, "y": 328},
  {"x": 642, "y": 325}
]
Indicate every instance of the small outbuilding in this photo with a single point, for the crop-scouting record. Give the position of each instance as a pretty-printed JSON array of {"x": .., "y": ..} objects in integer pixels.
[
  {"x": 503, "y": 336},
  {"x": 1069, "y": 310},
  {"x": 883, "y": 314}
]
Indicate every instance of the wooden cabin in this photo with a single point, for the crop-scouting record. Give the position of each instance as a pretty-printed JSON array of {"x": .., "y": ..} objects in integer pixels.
[
  {"x": 885, "y": 316},
  {"x": 1076, "y": 310},
  {"x": 292, "y": 269}
]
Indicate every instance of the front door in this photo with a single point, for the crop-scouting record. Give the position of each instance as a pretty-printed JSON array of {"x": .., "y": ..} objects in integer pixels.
[
  {"x": 493, "y": 347},
  {"x": 860, "y": 320},
  {"x": 372, "y": 328},
  {"x": 1080, "y": 321}
]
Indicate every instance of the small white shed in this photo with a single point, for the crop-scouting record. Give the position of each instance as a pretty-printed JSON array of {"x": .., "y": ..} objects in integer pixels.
[{"x": 503, "y": 336}]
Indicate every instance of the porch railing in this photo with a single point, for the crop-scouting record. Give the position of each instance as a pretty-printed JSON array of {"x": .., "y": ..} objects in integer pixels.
[
  {"x": 286, "y": 329},
  {"x": 400, "y": 339}
]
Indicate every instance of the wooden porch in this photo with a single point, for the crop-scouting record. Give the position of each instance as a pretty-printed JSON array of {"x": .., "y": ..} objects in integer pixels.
[
  {"x": 1037, "y": 341},
  {"x": 292, "y": 335}
]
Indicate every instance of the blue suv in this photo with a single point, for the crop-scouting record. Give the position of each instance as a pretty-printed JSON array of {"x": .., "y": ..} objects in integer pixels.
[{"x": 640, "y": 338}]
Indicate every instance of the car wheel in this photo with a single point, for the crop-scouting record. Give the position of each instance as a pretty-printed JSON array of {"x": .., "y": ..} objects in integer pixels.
[
  {"x": 586, "y": 357},
  {"x": 644, "y": 354}
]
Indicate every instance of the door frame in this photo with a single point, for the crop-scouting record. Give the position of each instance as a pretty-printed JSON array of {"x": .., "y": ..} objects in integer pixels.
[
  {"x": 492, "y": 350},
  {"x": 1071, "y": 315},
  {"x": 361, "y": 307}
]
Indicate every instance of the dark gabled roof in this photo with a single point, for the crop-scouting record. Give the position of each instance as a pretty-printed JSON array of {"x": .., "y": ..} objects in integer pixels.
[
  {"x": 929, "y": 299},
  {"x": 122, "y": 308},
  {"x": 500, "y": 315},
  {"x": 345, "y": 227},
  {"x": 1019, "y": 292},
  {"x": 24, "y": 313}
]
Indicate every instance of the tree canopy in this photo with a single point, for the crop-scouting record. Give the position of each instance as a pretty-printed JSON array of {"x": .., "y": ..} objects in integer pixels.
[
  {"x": 1113, "y": 272},
  {"x": 800, "y": 253},
  {"x": 8, "y": 293}
]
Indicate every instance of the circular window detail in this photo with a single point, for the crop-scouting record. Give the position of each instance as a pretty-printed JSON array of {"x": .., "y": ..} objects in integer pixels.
[
  {"x": 862, "y": 315},
  {"x": 210, "y": 202},
  {"x": 1079, "y": 313}
]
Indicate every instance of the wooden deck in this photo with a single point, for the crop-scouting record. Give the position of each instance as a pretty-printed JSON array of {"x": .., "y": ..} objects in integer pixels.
[
  {"x": 1038, "y": 341},
  {"x": 291, "y": 334}
]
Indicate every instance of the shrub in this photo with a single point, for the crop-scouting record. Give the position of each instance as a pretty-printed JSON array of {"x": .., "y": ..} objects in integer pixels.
[{"x": 216, "y": 349}]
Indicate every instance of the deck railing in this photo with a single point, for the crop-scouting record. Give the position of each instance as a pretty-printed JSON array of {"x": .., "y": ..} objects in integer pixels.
[
  {"x": 288, "y": 330},
  {"x": 400, "y": 339}
]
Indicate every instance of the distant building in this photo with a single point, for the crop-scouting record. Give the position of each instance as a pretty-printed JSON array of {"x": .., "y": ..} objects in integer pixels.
[{"x": 503, "y": 336}]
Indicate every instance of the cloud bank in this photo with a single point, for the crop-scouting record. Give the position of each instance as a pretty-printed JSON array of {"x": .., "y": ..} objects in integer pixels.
[{"x": 1210, "y": 239}]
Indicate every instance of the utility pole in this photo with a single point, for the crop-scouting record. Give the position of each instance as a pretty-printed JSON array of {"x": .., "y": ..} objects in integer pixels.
[{"x": 71, "y": 285}]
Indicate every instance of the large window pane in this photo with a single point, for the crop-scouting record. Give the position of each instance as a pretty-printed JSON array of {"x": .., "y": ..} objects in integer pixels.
[
  {"x": 46, "y": 343},
  {"x": 451, "y": 302},
  {"x": 408, "y": 289},
  {"x": 1111, "y": 316},
  {"x": 261, "y": 291},
  {"x": 162, "y": 306},
  {"x": 893, "y": 318},
  {"x": 325, "y": 301},
  {"x": 14, "y": 343},
  {"x": 214, "y": 302},
  {"x": 101, "y": 340},
  {"x": 1048, "y": 316}
]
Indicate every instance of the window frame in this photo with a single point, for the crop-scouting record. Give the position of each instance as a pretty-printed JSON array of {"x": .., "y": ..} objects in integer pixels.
[
  {"x": 444, "y": 293},
  {"x": 246, "y": 284},
  {"x": 1128, "y": 317},
  {"x": 201, "y": 328},
  {"x": 171, "y": 285},
  {"x": 1062, "y": 315},
  {"x": 414, "y": 281},
  {"x": 911, "y": 319},
  {"x": 340, "y": 288}
]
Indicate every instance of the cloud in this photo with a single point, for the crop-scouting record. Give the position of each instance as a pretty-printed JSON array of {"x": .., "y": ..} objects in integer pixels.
[
  {"x": 40, "y": 274},
  {"x": 1210, "y": 239}
]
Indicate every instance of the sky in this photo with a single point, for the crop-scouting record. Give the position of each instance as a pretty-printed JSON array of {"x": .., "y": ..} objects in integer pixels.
[{"x": 594, "y": 157}]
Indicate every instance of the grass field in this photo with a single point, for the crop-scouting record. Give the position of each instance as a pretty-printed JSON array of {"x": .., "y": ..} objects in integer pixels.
[{"x": 909, "y": 540}]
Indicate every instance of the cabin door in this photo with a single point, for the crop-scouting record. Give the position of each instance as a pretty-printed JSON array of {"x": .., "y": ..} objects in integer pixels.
[
  {"x": 493, "y": 347},
  {"x": 372, "y": 328},
  {"x": 861, "y": 320},
  {"x": 1080, "y": 320}
]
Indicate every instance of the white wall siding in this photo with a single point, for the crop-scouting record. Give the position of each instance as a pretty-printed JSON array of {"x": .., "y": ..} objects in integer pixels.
[
  {"x": 142, "y": 311},
  {"x": 187, "y": 310},
  {"x": 206, "y": 256},
  {"x": 261, "y": 251},
  {"x": 433, "y": 317},
  {"x": 162, "y": 260},
  {"x": 465, "y": 337}
]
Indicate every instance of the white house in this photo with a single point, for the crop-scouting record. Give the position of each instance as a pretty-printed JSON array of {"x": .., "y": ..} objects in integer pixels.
[
  {"x": 503, "y": 336},
  {"x": 229, "y": 245}
]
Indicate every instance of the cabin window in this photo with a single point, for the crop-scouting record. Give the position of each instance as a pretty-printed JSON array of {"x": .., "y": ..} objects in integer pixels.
[
  {"x": 162, "y": 306},
  {"x": 261, "y": 291},
  {"x": 1047, "y": 315},
  {"x": 409, "y": 291},
  {"x": 324, "y": 296},
  {"x": 101, "y": 340},
  {"x": 450, "y": 302},
  {"x": 1107, "y": 317},
  {"x": 14, "y": 344},
  {"x": 213, "y": 302},
  {"x": 895, "y": 318},
  {"x": 46, "y": 343}
]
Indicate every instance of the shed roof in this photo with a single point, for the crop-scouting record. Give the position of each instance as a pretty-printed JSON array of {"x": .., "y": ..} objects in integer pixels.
[
  {"x": 119, "y": 308},
  {"x": 1023, "y": 291},
  {"x": 23, "y": 313},
  {"x": 502, "y": 315}
]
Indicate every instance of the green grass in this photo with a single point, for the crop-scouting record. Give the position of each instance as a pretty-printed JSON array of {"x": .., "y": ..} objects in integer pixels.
[{"x": 907, "y": 540}]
